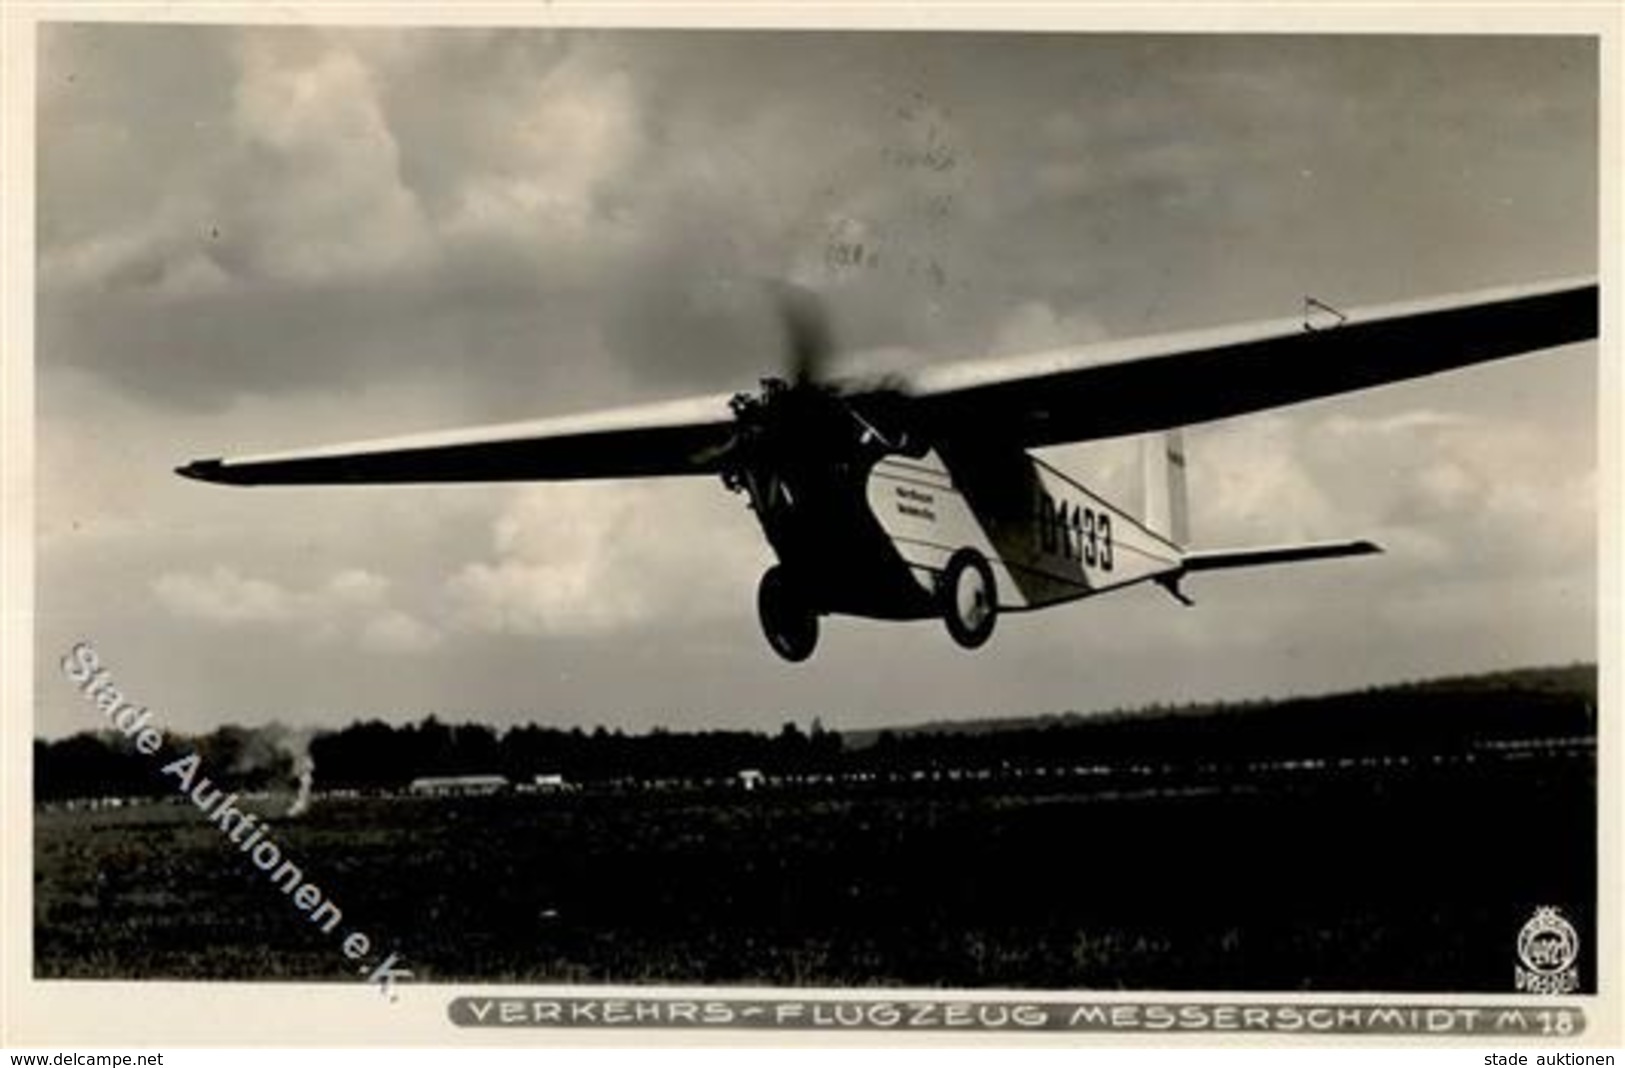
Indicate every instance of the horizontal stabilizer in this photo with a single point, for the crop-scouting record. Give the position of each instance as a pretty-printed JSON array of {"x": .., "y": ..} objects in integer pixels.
[{"x": 1218, "y": 559}]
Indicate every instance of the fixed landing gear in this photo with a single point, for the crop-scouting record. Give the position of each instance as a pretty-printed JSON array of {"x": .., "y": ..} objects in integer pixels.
[
  {"x": 788, "y": 619},
  {"x": 967, "y": 598}
]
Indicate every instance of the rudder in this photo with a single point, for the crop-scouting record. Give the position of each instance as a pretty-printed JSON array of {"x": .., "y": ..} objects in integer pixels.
[{"x": 1163, "y": 462}]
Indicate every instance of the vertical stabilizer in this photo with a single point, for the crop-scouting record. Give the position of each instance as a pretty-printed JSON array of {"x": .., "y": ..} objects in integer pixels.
[{"x": 1163, "y": 457}]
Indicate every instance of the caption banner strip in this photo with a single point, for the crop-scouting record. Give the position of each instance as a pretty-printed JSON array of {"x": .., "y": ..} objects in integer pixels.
[{"x": 1003, "y": 1016}]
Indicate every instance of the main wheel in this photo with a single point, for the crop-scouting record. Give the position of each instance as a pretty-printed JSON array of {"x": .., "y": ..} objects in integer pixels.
[
  {"x": 968, "y": 599},
  {"x": 788, "y": 619}
]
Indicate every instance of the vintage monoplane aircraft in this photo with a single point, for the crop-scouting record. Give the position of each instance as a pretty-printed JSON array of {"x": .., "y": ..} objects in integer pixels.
[{"x": 918, "y": 496}]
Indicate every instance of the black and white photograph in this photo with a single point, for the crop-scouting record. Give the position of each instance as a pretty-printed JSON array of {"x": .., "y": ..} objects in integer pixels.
[{"x": 901, "y": 512}]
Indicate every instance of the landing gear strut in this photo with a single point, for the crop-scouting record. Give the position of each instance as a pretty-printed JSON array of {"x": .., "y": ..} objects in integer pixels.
[
  {"x": 967, "y": 598},
  {"x": 788, "y": 618}
]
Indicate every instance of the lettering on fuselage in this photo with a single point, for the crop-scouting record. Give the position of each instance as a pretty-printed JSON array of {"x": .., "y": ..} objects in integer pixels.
[
  {"x": 916, "y": 503},
  {"x": 1075, "y": 531}
]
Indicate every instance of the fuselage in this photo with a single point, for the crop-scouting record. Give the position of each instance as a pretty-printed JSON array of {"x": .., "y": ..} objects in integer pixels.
[{"x": 866, "y": 514}]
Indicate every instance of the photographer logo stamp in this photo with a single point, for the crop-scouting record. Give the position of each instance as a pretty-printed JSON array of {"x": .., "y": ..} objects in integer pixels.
[{"x": 1547, "y": 950}]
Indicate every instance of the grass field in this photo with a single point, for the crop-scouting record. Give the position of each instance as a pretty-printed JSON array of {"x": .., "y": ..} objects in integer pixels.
[{"x": 1411, "y": 877}]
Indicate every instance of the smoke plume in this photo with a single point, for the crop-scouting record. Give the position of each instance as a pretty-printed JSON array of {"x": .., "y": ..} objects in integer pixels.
[{"x": 275, "y": 753}]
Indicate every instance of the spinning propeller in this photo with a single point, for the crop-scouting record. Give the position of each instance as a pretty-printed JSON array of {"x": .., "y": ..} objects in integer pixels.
[{"x": 808, "y": 339}]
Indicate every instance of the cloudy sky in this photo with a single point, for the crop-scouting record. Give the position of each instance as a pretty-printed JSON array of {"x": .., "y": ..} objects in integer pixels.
[{"x": 253, "y": 239}]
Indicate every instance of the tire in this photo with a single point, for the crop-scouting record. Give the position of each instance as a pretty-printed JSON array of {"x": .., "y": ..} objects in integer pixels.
[
  {"x": 788, "y": 621},
  {"x": 968, "y": 599}
]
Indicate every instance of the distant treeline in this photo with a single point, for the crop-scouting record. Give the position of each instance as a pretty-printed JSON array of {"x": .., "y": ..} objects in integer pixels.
[{"x": 1433, "y": 717}]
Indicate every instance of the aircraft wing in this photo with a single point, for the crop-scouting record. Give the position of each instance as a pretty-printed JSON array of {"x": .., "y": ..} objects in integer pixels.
[
  {"x": 1148, "y": 384},
  {"x": 685, "y": 437},
  {"x": 1101, "y": 391}
]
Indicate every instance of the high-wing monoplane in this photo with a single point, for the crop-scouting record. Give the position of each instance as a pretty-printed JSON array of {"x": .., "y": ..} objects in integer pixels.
[{"x": 920, "y": 496}]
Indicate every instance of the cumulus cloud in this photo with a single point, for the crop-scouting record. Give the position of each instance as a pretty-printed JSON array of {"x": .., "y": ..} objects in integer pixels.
[
  {"x": 594, "y": 559},
  {"x": 1250, "y": 482},
  {"x": 564, "y": 560},
  {"x": 1437, "y": 487},
  {"x": 224, "y": 596},
  {"x": 352, "y": 605},
  {"x": 396, "y": 632},
  {"x": 319, "y": 168},
  {"x": 300, "y": 184}
]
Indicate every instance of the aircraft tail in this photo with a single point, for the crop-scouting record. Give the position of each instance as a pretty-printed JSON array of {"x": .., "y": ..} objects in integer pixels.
[
  {"x": 1163, "y": 459},
  {"x": 1163, "y": 462},
  {"x": 1218, "y": 559}
]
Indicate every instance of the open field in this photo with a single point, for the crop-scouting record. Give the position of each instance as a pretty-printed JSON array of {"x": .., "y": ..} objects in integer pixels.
[{"x": 1407, "y": 874}]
